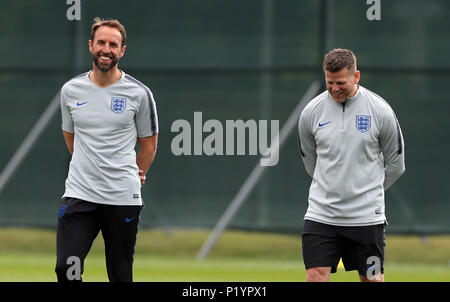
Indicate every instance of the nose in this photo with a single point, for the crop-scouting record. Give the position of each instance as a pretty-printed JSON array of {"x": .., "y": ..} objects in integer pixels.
[
  {"x": 106, "y": 48},
  {"x": 335, "y": 88}
]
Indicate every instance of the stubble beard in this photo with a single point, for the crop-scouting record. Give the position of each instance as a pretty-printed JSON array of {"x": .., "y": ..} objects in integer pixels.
[{"x": 103, "y": 67}]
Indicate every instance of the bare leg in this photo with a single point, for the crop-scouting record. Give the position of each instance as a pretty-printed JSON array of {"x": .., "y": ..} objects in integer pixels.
[
  {"x": 318, "y": 274},
  {"x": 376, "y": 278}
]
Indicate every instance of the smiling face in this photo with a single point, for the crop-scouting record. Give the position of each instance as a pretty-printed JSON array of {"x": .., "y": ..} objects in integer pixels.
[
  {"x": 342, "y": 84},
  {"x": 106, "y": 48}
]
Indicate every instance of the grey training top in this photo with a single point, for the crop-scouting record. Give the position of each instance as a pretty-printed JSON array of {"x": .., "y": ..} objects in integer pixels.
[
  {"x": 106, "y": 123},
  {"x": 353, "y": 152}
]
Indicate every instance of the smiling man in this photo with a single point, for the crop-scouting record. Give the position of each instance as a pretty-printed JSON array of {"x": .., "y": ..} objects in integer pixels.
[
  {"x": 105, "y": 112},
  {"x": 352, "y": 147}
]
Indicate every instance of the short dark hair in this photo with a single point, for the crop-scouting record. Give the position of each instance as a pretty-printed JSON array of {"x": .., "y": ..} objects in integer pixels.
[
  {"x": 338, "y": 59},
  {"x": 111, "y": 23}
]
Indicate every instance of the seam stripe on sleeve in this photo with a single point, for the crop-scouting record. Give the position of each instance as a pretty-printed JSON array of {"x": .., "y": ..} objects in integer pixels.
[
  {"x": 300, "y": 146},
  {"x": 150, "y": 103},
  {"x": 399, "y": 139}
]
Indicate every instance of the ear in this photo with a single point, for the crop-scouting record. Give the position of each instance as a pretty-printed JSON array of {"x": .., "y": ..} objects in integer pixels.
[
  {"x": 122, "y": 51},
  {"x": 90, "y": 46},
  {"x": 357, "y": 76}
]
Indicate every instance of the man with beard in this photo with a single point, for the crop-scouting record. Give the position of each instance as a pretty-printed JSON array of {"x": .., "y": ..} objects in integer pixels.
[
  {"x": 104, "y": 112},
  {"x": 352, "y": 146}
]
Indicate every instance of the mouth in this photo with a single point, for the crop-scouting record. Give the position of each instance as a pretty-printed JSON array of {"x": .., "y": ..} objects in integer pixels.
[
  {"x": 105, "y": 59},
  {"x": 338, "y": 94}
]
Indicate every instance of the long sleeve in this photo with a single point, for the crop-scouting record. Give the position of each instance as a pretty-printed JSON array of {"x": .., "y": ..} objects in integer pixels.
[
  {"x": 307, "y": 143},
  {"x": 393, "y": 149}
]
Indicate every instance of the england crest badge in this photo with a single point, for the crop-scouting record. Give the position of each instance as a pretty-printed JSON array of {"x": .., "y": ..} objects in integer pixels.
[
  {"x": 118, "y": 104},
  {"x": 363, "y": 123}
]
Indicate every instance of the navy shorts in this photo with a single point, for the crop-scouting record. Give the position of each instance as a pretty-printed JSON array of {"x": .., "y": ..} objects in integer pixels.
[{"x": 360, "y": 247}]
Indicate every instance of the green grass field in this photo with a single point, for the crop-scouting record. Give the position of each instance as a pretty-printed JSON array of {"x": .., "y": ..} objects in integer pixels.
[{"x": 28, "y": 255}]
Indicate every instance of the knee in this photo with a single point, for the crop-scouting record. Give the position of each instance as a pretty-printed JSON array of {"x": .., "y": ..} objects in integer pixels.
[
  {"x": 61, "y": 272},
  {"x": 61, "y": 267},
  {"x": 120, "y": 272},
  {"x": 124, "y": 276},
  {"x": 318, "y": 274}
]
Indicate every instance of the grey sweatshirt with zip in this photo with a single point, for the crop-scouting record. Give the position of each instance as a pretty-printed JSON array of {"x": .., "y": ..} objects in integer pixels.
[{"x": 353, "y": 151}]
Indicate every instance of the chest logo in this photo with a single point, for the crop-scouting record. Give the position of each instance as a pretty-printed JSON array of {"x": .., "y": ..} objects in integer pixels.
[
  {"x": 363, "y": 123},
  {"x": 81, "y": 103},
  {"x": 323, "y": 124},
  {"x": 118, "y": 104}
]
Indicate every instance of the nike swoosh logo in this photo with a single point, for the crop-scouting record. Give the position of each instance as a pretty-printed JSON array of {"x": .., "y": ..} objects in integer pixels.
[
  {"x": 81, "y": 104},
  {"x": 321, "y": 125},
  {"x": 129, "y": 219}
]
